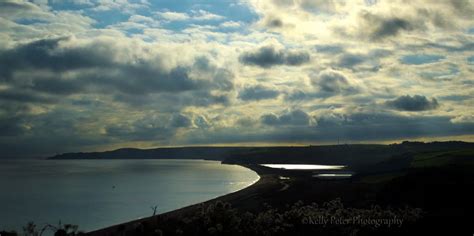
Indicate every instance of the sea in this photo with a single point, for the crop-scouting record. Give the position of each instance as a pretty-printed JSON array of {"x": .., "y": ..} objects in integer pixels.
[{"x": 93, "y": 194}]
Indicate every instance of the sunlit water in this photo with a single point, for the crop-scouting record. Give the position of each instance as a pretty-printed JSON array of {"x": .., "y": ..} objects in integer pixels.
[
  {"x": 98, "y": 193},
  {"x": 303, "y": 167}
]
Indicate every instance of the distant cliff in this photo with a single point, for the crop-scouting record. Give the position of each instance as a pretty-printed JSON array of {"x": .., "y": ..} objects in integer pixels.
[
  {"x": 357, "y": 155},
  {"x": 208, "y": 153}
]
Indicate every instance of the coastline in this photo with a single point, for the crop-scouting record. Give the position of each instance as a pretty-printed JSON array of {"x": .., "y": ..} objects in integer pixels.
[{"x": 267, "y": 182}]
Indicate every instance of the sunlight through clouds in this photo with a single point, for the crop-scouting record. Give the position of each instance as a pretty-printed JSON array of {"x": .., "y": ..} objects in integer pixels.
[{"x": 221, "y": 72}]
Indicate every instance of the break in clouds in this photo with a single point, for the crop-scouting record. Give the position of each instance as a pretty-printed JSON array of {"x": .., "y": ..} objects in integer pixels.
[{"x": 96, "y": 75}]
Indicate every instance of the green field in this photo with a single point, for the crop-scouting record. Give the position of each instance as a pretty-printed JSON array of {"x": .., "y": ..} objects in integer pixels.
[{"x": 437, "y": 159}]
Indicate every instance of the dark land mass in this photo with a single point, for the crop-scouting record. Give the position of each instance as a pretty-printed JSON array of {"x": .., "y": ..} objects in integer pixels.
[
  {"x": 428, "y": 185},
  {"x": 357, "y": 156}
]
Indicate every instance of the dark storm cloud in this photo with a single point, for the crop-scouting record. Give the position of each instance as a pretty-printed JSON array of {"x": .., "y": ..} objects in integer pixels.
[
  {"x": 97, "y": 70},
  {"x": 330, "y": 49},
  {"x": 456, "y": 97},
  {"x": 11, "y": 126},
  {"x": 291, "y": 118},
  {"x": 24, "y": 96},
  {"x": 268, "y": 56},
  {"x": 37, "y": 134},
  {"x": 59, "y": 71},
  {"x": 333, "y": 82},
  {"x": 368, "y": 61},
  {"x": 297, "y": 95},
  {"x": 150, "y": 127},
  {"x": 46, "y": 54},
  {"x": 345, "y": 127},
  {"x": 300, "y": 95},
  {"x": 465, "y": 46},
  {"x": 380, "y": 27},
  {"x": 58, "y": 86},
  {"x": 222, "y": 78},
  {"x": 180, "y": 121},
  {"x": 351, "y": 60},
  {"x": 204, "y": 99},
  {"x": 171, "y": 102},
  {"x": 258, "y": 92},
  {"x": 379, "y": 126},
  {"x": 140, "y": 130},
  {"x": 390, "y": 27},
  {"x": 413, "y": 103},
  {"x": 147, "y": 79},
  {"x": 274, "y": 23}
]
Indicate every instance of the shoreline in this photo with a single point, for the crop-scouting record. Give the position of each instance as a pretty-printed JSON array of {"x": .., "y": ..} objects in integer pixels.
[{"x": 267, "y": 181}]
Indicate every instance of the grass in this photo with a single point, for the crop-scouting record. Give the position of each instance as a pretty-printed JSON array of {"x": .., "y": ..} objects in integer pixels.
[
  {"x": 380, "y": 178},
  {"x": 438, "y": 159}
]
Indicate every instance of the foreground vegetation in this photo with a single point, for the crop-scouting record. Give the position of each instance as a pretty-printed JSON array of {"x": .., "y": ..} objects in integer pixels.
[
  {"x": 221, "y": 218},
  {"x": 328, "y": 218},
  {"x": 31, "y": 229}
]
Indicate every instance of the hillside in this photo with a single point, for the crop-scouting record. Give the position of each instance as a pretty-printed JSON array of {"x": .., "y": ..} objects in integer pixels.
[{"x": 358, "y": 157}]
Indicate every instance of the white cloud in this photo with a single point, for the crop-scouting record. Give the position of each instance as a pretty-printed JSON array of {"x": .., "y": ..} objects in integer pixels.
[
  {"x": 195, "y": 15},
  {"x": 231, "y": 24},
  {"x": 173, "y": 16},
  {"x": 205, "y": 15}
]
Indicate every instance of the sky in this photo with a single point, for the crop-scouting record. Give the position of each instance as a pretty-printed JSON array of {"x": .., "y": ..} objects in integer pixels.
[{"x": 92, "y": 75}]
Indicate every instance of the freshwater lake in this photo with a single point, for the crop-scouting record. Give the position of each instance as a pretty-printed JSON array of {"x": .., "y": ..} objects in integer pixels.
[{"x": 98, "y": 193}]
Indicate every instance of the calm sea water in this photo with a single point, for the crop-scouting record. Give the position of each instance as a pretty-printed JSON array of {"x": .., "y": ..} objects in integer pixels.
[{"x": 98, "y": 193}]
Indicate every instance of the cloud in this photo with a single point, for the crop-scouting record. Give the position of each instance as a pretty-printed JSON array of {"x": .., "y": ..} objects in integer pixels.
[
  {"x": 351, "y": 60},
  {"x": 268, "y": 56},
  {"x": 21, "y": 9},
  {"x": 98, "y": 67},
  {"x": 11, "y": 126},
  {"x": 124, "y": 6},
  {"x": 13, "y": 95},
  {"x": 154, "y": 127},
  {"x": 383, "y": 126},
  {"x": 180, "y": 121},
  {"x": 46, "y": 54},
  {"x": 332, "y": 126},
  {"x": 173, "y": 16},
  {"x": 330, "y": 49},
  {"x": 138, "y": 132},
  {"x": 148, "y": 126},
  {"x": 231, "y": 24},
  {"x": 274, "y": 22},
  {"x": 290, "y": 118},
  {"x": 201, "y": 122},
  {"x": 258, "y": 92},
  {"x": 417, "y": 59},
  {"x": 185, "y": 75},
  {"x": 333, "y": 82},
  {"x": 369, "y": 61},
  {"x": 203, "y": 15},
  {"x": 463, "y": 119},
  {"x": 195, "y": 15},
  {"x": 413, "y": 103},
  {"x": 389, "y": 27}
]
